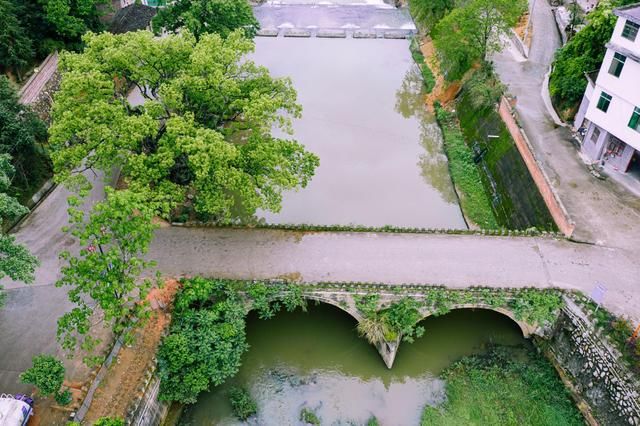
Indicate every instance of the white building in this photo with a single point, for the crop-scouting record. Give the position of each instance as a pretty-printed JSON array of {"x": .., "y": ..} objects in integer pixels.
[{"x": 610, "y": 109}]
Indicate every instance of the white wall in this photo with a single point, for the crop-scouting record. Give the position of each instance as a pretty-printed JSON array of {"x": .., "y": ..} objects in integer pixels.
[
  {"x": 624, "y": 90},
  {"x": 616, "y": 38}
]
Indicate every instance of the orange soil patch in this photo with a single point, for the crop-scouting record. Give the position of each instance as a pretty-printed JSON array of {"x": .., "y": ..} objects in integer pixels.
[
  {"x": 443, "y": 91},
  {"x": 521, "y": 29},
  {"x": 127, "y": 373}
]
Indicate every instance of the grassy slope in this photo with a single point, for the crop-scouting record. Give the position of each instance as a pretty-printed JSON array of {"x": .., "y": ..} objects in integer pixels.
[
  {"x": 464, "y": 173},
  {"x": 521, "y": 205},
  {"x": 506, "y": 387}
]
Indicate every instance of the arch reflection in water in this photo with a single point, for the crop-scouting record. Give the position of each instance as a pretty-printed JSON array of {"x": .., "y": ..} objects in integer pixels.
[{"x": 317, "y": 360}]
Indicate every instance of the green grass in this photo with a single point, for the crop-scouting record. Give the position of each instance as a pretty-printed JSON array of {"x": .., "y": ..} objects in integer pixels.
[
  {"x": 508, "y": 386},
  {"x": 428, "y": 78},
  {"x": 309, "y": 417},
  {"x": 464, "y": 172},
  {"x": 521, "y": 206}
]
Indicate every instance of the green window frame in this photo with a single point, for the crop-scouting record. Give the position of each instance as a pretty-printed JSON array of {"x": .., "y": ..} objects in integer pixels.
[
  {"x": 630, "y": 30},
  {"x": 617, "y": 63},
  {"x": 634, "y": 122},
  {"x": 604, "y": 102}
]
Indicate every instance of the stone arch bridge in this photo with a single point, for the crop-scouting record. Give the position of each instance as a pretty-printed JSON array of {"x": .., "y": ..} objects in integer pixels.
[{"x": 344, "y": 296}]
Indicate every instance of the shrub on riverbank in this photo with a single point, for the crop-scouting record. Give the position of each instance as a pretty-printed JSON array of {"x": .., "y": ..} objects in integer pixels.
[
  {"x": 242, "y": 404},
  {"x": 507, "y": 386},
  {"x": 206, "y": 340},
  {"x": 207, "y": 337},
  {"x": 428, "y": 78},
  {"x": 464, "y": 172}
]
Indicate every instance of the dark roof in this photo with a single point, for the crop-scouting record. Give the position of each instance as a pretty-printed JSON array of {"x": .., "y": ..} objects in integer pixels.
[
  {"x": 132, "y": 18},
  {"x": 631, "y": 12}
]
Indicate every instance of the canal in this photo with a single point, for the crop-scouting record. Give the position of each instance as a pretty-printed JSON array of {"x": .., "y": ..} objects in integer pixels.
[
  {"x": 317, "y": 360},
  {"x": 381, "y": 158}
]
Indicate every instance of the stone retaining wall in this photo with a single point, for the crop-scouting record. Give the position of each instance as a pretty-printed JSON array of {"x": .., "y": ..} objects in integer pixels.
[
  {"x": 557, "y": 210},
  {"x": 595, "y": 369}
]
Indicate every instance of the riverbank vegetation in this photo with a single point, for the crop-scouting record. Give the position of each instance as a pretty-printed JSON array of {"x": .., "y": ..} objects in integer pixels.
[
  {"x": 428, "y": 79},
  {"x": 207, "y": 337},
  {"x": 506, "y": 386},
  {"x": 242, "y": 404},
  {"x": 464, "y": 172},
  {"x": 490, "y": 178},
  {"x": 620, "y": 332},
  {"x": 504, "y": 174},
  {"x": 583, "y": 53}
]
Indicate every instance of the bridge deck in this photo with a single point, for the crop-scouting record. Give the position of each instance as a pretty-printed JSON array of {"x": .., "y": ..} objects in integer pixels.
[{"x": 452, "y": 260}]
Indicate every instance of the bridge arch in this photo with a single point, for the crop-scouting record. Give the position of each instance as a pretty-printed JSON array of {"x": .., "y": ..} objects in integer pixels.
[{"x": 526, "y": 328}]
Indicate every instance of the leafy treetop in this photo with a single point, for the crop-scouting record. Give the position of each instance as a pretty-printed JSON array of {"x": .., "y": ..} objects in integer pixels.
[
  {"x": 47, "y": 374},
  {"x": 470, "y": 32},
  {"x": 114, "y": 237},
  {"x": 201, "y": 128}
]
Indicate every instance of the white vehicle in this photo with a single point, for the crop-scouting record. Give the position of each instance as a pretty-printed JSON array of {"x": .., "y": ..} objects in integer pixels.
[{"x": 15, "y": 410}]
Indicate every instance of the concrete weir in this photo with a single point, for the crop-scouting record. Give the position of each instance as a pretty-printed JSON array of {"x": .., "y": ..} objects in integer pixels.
[{"x": 334, "y": 21}]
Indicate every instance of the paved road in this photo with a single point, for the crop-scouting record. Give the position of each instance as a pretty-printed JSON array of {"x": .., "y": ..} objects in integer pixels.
[{"x": 604, "y": 212}]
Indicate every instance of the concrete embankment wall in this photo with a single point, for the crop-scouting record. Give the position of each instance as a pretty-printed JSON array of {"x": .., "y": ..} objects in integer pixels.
[
  {"x": 557, "y": 210},
  {"x": 146, "y": 409},
  {"x": 595, "y": 369}
]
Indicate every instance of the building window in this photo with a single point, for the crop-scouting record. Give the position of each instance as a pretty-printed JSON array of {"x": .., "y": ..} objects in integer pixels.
[
  {"x": 634, "y": 123},
  {"x": 617, "y": 64},
  {"x": 595, "y": 135},
  {"x": 603, "y": 102},
  {"x": 630, "y": 30}
]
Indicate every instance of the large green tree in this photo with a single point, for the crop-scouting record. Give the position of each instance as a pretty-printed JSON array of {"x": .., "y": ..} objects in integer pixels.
[
  {"x": 427, "y": 13},
  {"x": 16, "y": 48},
  {"x": 22, "y": 134},
  {"x": 105, "y": 275},
  {"x": 72, "y": 18},
  {"x": 16, "y": 261},
  {"x": 207, "y": 16},
  {"x": 201, "y": 130},
  {"x": 471, "y": 32}
]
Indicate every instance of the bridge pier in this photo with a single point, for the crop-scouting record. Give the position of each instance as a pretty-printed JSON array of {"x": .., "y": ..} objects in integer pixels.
[{"x": 388, "y": 351}]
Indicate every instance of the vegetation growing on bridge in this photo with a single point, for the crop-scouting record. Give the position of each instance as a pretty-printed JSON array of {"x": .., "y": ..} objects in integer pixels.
[{"x": 507, "y": 386}]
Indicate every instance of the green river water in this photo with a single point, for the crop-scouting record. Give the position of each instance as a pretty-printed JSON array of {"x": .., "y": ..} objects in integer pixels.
[{"x": 317, "y": 360}]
